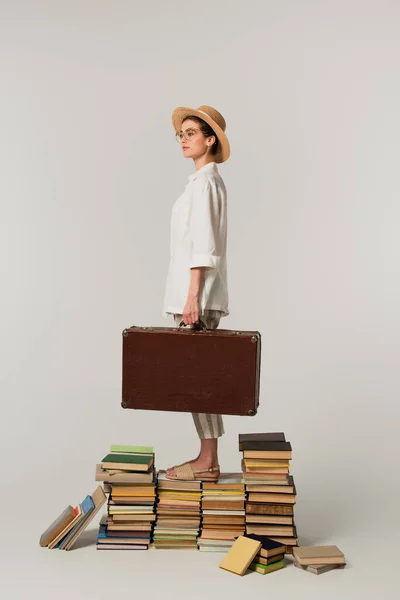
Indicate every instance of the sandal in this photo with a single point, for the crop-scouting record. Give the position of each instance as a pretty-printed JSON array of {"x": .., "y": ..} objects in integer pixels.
[{"x": 185, "y": 472}]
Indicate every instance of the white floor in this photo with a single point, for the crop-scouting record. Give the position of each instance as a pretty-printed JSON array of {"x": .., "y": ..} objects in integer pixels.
[{"x": 323, "y": 516}]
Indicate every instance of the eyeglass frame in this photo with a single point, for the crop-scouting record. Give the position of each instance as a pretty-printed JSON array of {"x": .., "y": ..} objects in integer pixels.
[{"x": 178, "y": 134}]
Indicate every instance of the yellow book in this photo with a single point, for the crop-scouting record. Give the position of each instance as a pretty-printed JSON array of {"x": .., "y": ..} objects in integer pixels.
[
  {"x": 132, "y": 492},
  {"x": 223, "y": 493},
  {"x": 167, "y": 497},
  {"x": 267, "y": 463},
  {"x": 240, "y": 555}
]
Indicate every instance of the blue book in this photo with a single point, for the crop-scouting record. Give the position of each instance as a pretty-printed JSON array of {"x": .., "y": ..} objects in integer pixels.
[
  {"x": 87, "y": 507},
  {"x": 102, "y": 531},
  {"x": 269, "y": 547}
]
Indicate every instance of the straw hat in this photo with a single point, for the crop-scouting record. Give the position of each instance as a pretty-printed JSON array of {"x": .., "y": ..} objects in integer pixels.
[{"x": 214, "y": 120}]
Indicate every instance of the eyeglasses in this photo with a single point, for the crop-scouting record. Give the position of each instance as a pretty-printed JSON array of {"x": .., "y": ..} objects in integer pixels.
[{"x": 189, "y": 133}]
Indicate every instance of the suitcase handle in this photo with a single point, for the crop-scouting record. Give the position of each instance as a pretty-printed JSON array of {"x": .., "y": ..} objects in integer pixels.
[{"x": 200, "y": 323}]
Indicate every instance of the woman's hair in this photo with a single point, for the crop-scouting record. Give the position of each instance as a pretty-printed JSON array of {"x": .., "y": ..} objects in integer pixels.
[{"x": 207, "y": 131}]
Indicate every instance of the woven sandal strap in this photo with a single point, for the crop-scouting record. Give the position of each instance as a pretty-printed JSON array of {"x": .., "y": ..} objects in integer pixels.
[
  {"x": 184, "y": 471},
  {"x": 209, "y": 470}
]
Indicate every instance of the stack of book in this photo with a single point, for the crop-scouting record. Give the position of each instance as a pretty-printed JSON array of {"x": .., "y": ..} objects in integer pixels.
[
  {"x": 223, "y": 513},
  {"x": 270, "y": 556},
  {"x": 270, "y": 489},
  {"x": 130, "y": 478},
  {"x": 69, "y": 525},
  {"x": 178, "y": 514},
  {"x": 318, "y": 559},
  {"x": 254, "y": 553}
]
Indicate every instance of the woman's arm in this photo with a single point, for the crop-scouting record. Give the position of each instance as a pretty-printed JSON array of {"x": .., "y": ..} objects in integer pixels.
[
  {"x": 204, "y": 222},
  {"x": 191, "y": 310}
]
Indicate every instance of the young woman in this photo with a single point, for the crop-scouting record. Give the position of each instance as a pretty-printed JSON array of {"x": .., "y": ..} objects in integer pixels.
[{"x": 197, "y": 288}]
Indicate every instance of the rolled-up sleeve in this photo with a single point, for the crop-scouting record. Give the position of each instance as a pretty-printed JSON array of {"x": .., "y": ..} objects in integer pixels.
[{"x": 204, "y": 226}]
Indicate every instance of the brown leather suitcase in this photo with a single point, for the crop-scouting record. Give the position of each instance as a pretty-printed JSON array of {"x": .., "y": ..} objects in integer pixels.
[{"x": 191, "y": 370}]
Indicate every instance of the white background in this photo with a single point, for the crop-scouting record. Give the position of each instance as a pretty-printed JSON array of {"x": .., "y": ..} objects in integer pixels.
[{"x": 89, "y": 172}]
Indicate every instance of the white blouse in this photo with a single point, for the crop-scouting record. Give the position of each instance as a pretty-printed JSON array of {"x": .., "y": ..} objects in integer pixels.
[{"x": 198, "y": 238}]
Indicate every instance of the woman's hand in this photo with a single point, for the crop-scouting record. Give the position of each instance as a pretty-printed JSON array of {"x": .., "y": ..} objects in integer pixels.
[{"x": 191, "y": 309}]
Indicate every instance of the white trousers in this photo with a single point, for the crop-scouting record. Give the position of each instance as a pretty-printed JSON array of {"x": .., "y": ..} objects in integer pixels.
[{"x": 207, "y": 426}]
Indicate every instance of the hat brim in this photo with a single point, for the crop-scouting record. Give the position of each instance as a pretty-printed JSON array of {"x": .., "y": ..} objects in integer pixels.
[{"x": 182, "y": 112}]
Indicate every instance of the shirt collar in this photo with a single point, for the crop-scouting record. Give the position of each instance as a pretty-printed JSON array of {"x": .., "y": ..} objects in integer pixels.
[{"x": 211, "y": 166}]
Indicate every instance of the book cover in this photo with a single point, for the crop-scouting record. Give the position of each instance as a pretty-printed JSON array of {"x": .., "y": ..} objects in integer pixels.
[
  {"x": 261, "y": 437},
  {"x": 240, "y": 555},
  {"x": 118, "y": 547},
  {"x": 124, "y": 477},
  {"x": 133, "y": 449},
  {"x": 87, "y": 507},
  {"x": 267, "y": 561},
  {"x": 309, "y": 555},
  {"x": 268, "y": 547},
  {"x": 63, "y": 533},
  {"x": 272, "y": 498},
  {"x": 267, "y": 454},
  {"x": 132, "y": 462},
  {"x": 318, "y": 569},
  {"x": 99, "y": 499},
  {"x": 58, "y": 525},
  {"x": 267, "y": 446},
  {"x": 264, "y": 569},
  {"x": 259, "y": 508}
]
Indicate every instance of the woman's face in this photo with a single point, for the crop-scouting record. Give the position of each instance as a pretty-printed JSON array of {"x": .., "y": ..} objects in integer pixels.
[{"x": 194, "y": 144}]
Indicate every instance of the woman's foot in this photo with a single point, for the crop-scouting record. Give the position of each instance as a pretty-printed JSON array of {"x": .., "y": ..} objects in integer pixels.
[
  {"x": 198, "y": 465},
  {"x": 171, "y": 473},
  {"x": 208, "y": 457}
]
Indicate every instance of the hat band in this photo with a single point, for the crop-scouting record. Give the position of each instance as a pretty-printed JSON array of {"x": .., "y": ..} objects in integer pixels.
[{"x": 209, "y": 116}]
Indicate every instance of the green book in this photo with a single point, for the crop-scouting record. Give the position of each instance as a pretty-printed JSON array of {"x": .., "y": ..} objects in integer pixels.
[
  {"x": 127, "y": 459},
  {"x": 136, "y": 449},
  {"x": 264, "y": 569}
]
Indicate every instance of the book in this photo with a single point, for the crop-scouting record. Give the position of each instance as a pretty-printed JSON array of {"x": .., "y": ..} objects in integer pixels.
[
  {"x": 223, "y": 512},
  {"x": 259, "y": 508},
  {"x": 274, "y": 454},
  {"x": 99, "y": 499},
  {"x": 315, "y": 555},
  {"x": 262, "y": 471},
  {"x": 268, "y": 546},
  {"x": 240, "y": 555},
  {"x": 272, "y": 498},
  {"x": 287, "y": 540},
  {"x": 57, "y": 526},
  {"x": 267, "y": 446},
  {"x": 264, "y": 569},
  {"x": 225, "y": 483},
  {"x": 267, "y": 530},
  {"x": 261, "y": 437},
  {"x": 124, "y": 477},
  {"x": 87, "y": 507},
  {"x": 265, "y": 462},
  {"x": 223, "y": 505},
  {"x": 133, "y": 449},
  {"x": 287, "y": 532},
  {"x": 287, "y": 488},
  {"x": 129, "y": 462},
  {"x": 122, "y": 547},
  {"x": 267, "y": 561},
  {"x": 272, "y": 478},
  {"x": 318, "y": 569},
  {"x": 67, "y": 528},
  {"x": 221, "y": 534},
  {"x": 269, "y": 519}
]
